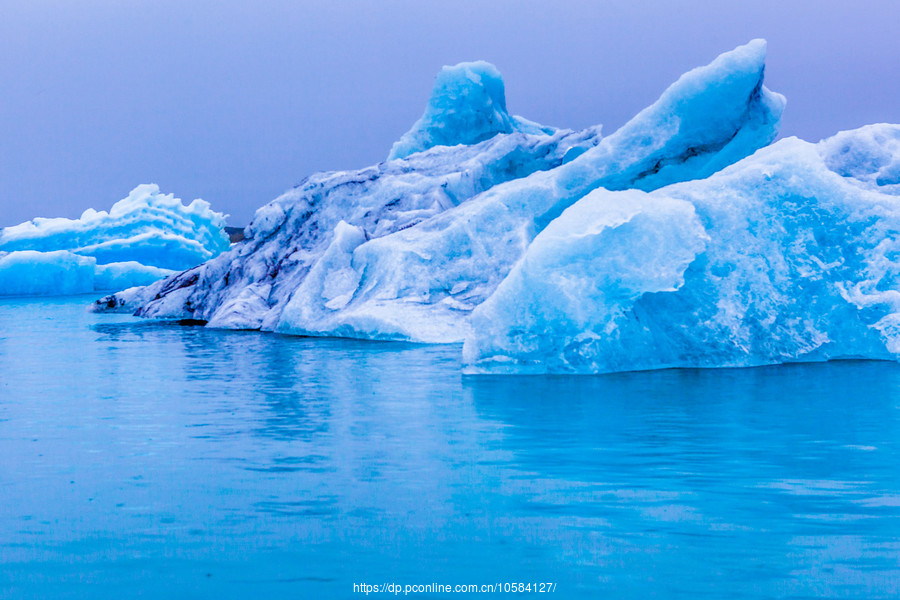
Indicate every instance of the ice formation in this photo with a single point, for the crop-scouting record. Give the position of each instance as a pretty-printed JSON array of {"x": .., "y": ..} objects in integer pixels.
[
  {"x": 29, "y": 272},
  {"x": 408, "y": 248},
  {"x": 144, "y": 237},
  {"x": 792, "y": 254},
  {"x": 148, "y": 227},
  {"x": 467, "y": 106}
]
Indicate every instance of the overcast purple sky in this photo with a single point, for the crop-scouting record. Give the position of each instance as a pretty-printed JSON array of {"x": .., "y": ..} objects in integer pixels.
[{"x": 235, "y": 101}]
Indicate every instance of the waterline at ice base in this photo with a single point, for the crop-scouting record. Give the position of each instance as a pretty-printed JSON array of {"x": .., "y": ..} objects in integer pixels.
[{"x": 684, "y": 239}]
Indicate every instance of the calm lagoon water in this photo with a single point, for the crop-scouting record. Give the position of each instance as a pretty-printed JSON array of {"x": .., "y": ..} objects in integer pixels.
[{"x": 140, "y": 459}]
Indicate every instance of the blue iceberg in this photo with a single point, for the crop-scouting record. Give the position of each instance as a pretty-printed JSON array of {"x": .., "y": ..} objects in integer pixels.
[
  {"x": 59, "y": 272},
  {"x": 33, "y": 273},
  {"x": 143, "y": 238}
]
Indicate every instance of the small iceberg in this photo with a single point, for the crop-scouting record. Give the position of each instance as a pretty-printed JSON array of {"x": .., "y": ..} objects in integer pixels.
[{"x": 143, "y": 238}]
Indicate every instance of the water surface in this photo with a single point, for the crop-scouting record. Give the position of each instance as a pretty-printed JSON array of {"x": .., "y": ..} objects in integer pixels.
[{"x": 152, "y": 460}]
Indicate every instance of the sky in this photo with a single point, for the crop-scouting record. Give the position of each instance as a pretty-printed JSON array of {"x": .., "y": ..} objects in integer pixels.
[{"x": 236, "y": 101}]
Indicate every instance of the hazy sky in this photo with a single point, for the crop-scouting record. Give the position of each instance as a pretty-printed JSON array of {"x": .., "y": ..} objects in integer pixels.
[{"x": 236, "y": 101}]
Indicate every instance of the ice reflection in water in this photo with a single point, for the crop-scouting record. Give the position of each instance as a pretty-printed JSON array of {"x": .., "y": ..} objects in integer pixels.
[{"x": 180, "y": 461}]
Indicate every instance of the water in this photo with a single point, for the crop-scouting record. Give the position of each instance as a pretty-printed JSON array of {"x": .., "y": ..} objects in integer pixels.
[{"x": 151, "y": 460}]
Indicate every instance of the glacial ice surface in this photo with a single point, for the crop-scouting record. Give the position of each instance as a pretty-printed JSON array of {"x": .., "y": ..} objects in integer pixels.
[
  {"x": 792, "y": 254},
  {"x": 142, "y": 238},
  {"x": 408, "y": 248}
]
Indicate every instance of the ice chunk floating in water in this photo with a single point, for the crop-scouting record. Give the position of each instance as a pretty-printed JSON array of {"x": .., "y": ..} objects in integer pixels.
[
  {"x": 143, "y": 238},
  {"x": 59, "y": 272},
  {"x": 426, "y": 239},
  {"x": 792, "y": 254},
  {"x": 33, "y": 273}
]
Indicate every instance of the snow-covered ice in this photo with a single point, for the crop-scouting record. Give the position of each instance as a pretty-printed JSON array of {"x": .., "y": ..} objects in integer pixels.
[
  {"x": 792, "y": 254},
  {"x": 142, "y": 238}
]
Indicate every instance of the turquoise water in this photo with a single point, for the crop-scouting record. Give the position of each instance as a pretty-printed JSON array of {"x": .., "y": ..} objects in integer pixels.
[{"x": 159, "y": 461}]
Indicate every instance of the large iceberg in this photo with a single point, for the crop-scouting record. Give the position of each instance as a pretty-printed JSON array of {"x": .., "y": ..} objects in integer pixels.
[
  {"x": 792, "y": 254},
  {"x": 142, "y": 238},
  {"x": 681, "y": 240},
  {"x": 408, "y": 248}
]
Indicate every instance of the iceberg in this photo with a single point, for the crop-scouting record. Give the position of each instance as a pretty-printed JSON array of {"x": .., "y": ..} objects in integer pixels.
[
  {"x": 142, "y": 238},
  {"x": 407, "y": 249},
  {"x": 148, "y": 227},
  {"x": 792, "y": 254}
]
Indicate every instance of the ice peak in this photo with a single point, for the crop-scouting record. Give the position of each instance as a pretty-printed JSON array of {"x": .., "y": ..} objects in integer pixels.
[
  {"x": 467, "y": 106},
  {"x": 711, "y": 117}
]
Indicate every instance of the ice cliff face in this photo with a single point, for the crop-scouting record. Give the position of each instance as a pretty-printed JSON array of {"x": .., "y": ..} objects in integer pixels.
[
  {"x": 408, "y": 248},
  {"x": 789, "y": 255},
  {"x": 144, "y": 237}
]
